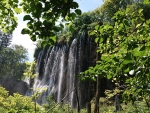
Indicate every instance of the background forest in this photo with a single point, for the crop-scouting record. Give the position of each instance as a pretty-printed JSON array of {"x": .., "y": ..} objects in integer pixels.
[{"x": 120, "y": 29}]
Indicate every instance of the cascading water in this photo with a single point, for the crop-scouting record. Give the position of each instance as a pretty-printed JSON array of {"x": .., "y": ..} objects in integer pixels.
[
  {"x": 57, "y": 69},
  {"x": 61, "y": 75},
  {"x": 72, "y": 69}
]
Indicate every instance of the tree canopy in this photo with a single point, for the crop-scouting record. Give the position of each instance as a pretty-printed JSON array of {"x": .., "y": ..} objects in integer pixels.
[
  {"x": 5, "y": 39},
  {"x": 8, "y": 19},
  {"x": 125, "y": 51},
  {"x": 123, "y": 39},
  {"x": 12, "y": 61}
]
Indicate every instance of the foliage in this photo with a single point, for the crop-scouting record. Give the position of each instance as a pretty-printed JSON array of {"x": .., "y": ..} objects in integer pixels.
[
  {"x": 110, "y": 7},
  {"x": 38, "y": 49},
  {"x": 5, "y": 39},
  {"x": 29, "y": 72},
  {"x": 125, "y": 51},
  {"x": 16, "y": 103},
  {"x": 8, "y": 19},
  {"x": 12, "y": 61},
  {"x": 42, "y": 16},
  {"x": 53, "y": 107}
]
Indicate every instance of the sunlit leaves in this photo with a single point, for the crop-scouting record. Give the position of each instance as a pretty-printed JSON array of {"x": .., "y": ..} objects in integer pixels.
[
  {"x": 16, "y": 102},
  {"x": 44, "y": 15},
  {"x": 18, "y": 10},
  {"x": 12, "y": 61},
  {"x": 8, "y": 8},
  {"x": 124, "y": 46}
]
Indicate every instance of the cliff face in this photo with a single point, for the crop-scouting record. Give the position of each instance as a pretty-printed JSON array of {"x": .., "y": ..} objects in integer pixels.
[
  {"x": 13, "y": 85},
  {"x": 58, "y": 70}
]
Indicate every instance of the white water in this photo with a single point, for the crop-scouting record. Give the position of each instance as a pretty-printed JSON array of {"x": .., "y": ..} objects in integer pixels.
[
  {"x": 57, "y": 69},
  {"x": 61, "y": 74},
  {"x": 71, "y": 69}
]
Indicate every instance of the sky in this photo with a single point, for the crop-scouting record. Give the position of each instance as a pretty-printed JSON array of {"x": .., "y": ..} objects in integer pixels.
[{"x": 24, "y": 40}]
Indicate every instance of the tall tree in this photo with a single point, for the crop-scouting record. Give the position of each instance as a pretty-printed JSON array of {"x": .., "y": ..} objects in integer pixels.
[
  {"x": 110, "y": 7},
  {"x": 12, "y": 61},
  {"x": 125, "y": 49},
  {"x": 5, "y": 39}
]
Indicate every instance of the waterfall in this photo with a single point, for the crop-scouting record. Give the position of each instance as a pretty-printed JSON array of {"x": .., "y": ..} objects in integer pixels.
[
  {"x": 61, "y": 75},
  {"x": 58, "y": 67},
  {"x": 72, "y": 69}
]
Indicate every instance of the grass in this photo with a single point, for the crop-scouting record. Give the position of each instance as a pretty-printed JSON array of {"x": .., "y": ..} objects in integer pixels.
[{"x": 106, "y": 107}]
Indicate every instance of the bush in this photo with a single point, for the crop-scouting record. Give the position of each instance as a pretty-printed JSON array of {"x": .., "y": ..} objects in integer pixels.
[{"x": 16, "y": 103}]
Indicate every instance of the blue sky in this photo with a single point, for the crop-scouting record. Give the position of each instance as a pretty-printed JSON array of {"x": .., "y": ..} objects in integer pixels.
[
  {"x": 89, "y": 5},
  {"x": 18, "y": 38}
]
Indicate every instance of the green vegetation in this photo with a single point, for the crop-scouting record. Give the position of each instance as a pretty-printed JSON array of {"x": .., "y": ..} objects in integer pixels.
[
  {"x": 12, "y": 61},
  {"x": 121, "y": 30},
  {"x": 5, "y": 39},
  {"x": 16, "y": 103},
  {"x": 125, "y": 51},
  {"x": 23, "y": 104}
]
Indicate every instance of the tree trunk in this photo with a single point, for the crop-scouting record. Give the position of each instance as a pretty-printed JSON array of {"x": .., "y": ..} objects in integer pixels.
[
  {"x": 96, "y": 107},
  {"x": 77, "y": 100},
  {"x": 117, "y": 103},
  {"x": 97, "y": 96}
]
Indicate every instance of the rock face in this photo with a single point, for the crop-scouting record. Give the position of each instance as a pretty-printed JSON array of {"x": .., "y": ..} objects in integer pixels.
[
  {"x": 13, "y": 86},
  {"x": 58, "y": 70}
]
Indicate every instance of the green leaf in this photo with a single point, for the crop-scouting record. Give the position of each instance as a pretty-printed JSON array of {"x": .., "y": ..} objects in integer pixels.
[
  {"x": 146, "y": 1},
  {"x": 115, "y": 59},
  {"x": 109, "y": 76},
  {"x": 74, "y": 5},
  {"x": 127, "y": 70},
  {"x": 18, "y": 10},
  {"x": 27, "y": 17},
  {"x": 127, "y": 10},
  {"x": 25, "y": 31},
  {"x": 16, "y": 1},
  {"x": 93, "y": 32},
  {"x": 127, "y": 62},
  {"x": 72, "y": 16},
  {"x": 138, "y": 25},
  {"x": 140, "y": 11},
  {"x": 51, "y": 42},
  {"x": 96, "y": 40},
  {"x": 101, "y": 31},
  {"x": 53, "y": 38},
  {"x": 143, "y": 48},
  {"x": 71, "y": 28},
  {"x": 96, "y": 27},
  {"x": 33, "y": 37},
  {"x": 78, "y": 11},
  {"x": 44, "y": 43},
  {"x": 126, "y": 22},
  {"x": 139, "y": 53}
]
